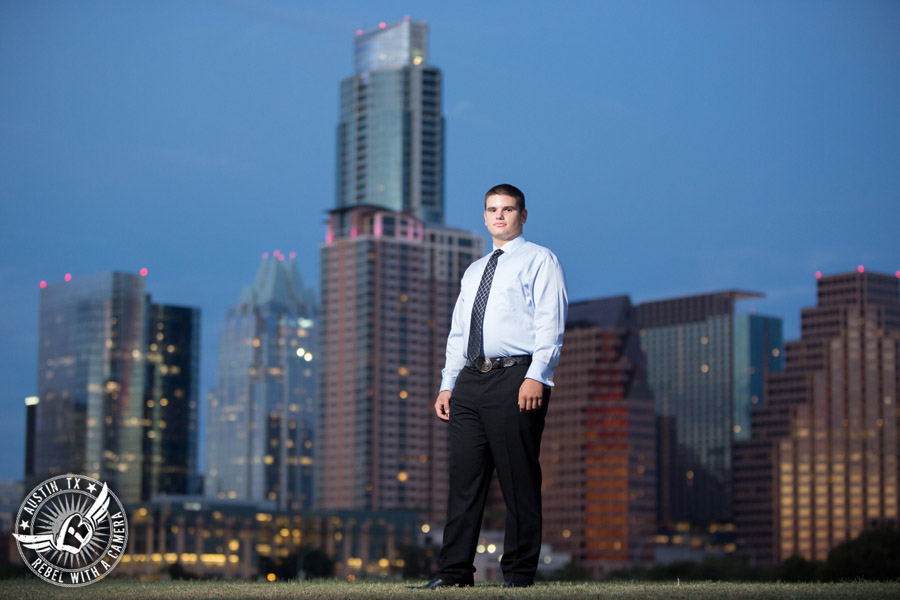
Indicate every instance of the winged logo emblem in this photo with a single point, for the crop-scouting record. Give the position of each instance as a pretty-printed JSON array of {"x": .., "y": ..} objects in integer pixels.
[{"x": 75, "y": 532}]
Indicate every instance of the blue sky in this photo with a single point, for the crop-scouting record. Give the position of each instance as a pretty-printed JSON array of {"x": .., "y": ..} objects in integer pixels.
[{"x": 665, "y": 148}]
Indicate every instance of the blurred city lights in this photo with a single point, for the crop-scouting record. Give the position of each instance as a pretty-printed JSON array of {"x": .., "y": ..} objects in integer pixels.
[{"x": 68, "y": 277}]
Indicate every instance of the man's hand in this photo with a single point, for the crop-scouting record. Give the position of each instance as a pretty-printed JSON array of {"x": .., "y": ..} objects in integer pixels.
[
  {"x": 531, "y": 393},
  {"x": 442, "y": 405}
]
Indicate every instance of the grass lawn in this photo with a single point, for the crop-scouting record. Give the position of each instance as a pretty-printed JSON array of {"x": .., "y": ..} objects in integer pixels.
[{"x": 122, "y": 589}]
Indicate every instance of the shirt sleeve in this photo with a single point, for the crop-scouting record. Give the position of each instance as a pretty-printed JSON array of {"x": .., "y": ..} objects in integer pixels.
[
  {"x": 551, "y": 305},
  {"x": 456, "y": 358}
]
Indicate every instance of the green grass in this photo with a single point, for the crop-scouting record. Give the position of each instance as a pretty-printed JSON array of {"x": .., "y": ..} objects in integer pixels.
[{"x": 121, "y": 589}]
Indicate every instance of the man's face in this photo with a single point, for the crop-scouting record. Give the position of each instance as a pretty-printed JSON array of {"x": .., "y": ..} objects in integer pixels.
[{"x": 502, "y": 219}]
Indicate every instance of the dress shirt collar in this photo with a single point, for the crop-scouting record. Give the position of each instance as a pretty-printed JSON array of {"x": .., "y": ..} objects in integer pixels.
[{"x": 512, "y": 245}]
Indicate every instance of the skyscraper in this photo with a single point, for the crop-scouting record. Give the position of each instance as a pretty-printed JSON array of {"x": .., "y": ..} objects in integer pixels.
[
  {"x": 599, "y": 449},
  {"x": 388, "y": 285},
  {"x": 262, "y": 413},
  {"x": 171, "y": 401},
  {"x": 31, "y": 403},
  {"x": 823, "y": 462},
  {"x": 390, "y": 140},
  {"x": 91, "y": 372},
  {"x": 117, "y": 387},
  {"x": 390, "y": 275},
  {"x": 707, "y": 367}
]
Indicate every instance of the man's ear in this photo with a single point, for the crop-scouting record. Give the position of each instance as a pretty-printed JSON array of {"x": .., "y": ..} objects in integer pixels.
[{"x": 524, "y": 215}]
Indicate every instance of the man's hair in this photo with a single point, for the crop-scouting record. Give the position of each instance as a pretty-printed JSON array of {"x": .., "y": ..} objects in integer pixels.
[{"x": 505, "y": 189}]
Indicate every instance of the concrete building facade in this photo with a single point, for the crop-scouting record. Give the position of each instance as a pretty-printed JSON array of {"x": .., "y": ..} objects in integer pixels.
[
  {"x": 822, "y": 464},
  {"x": 388, "y": 287},
  {"x": 599, "y": 447}
]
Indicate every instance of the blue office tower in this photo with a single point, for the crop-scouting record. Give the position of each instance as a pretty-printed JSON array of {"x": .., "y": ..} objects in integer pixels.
[
  {"x": 390, "y": 139},
  {"x": 707, "y": 367}
]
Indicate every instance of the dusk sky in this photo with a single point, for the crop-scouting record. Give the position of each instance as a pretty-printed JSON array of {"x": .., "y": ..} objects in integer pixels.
[{"x": 664, "y": 148}]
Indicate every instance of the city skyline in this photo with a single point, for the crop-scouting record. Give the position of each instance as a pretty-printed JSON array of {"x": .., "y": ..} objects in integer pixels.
[{"x": 745, "y": 147}]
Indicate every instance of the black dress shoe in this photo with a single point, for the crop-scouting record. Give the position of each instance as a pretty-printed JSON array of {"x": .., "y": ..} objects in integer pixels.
[
  {"x": 437, "y": 582},
  {"x": 512, "y": 584}
]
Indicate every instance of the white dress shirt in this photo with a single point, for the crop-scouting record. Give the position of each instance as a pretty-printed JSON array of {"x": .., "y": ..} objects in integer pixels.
[{"x": 525, "y": 314}]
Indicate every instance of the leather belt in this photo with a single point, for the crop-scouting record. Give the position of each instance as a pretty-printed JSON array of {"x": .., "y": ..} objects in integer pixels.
[{"x": 486, "y": 364}]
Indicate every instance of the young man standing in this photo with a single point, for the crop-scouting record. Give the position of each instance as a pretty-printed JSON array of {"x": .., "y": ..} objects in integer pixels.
[{"x": 504, "y": 344}]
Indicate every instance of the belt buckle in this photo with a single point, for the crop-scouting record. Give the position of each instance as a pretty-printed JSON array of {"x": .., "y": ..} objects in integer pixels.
[{"x": 483, "y": 364}]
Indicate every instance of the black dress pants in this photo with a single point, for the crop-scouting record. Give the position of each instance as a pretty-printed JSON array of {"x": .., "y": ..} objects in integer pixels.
[{"x": 487, "y": 432}]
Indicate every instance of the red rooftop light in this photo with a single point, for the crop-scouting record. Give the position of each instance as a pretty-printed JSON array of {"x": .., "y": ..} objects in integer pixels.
[
  {"x": 44, "y": 283},
  {"x": 382, "y": 25},
  {"x": 144, "y": 272},
  {"x": 359, "y": 32},
  {"x": 897, "y": 274},
  {"x": 68, "y": 277},
  {"x": 818, "y": 274},
  {"x": 860, "y": 269},
  {"x": 265, "y": 255},
  {"x": 293, "y": 255}
]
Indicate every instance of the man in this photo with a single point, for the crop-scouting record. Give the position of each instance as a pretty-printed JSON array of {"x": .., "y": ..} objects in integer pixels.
[{"x": 503, "y": 346}]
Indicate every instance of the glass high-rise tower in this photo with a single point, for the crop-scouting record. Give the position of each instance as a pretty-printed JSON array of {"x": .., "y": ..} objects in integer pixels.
[
  {"x": 262, "y": 413},
  {"x": 171, "y": 401},
  {"x": 390, "y": 140},
  {"x": 117, "y": 388},
  {"x": 91, "y": 373},
  {"x": 390, "y": 275},
  {"x": 706, "y": 367}
]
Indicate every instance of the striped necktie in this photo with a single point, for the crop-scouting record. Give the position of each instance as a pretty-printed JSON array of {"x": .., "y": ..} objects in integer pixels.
[{"x": 476, "y": 323}]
